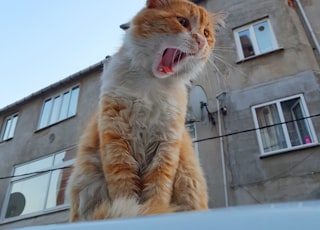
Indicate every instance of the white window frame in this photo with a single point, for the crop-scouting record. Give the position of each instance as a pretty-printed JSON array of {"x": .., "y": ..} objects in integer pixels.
[
  {"x": 7, "y": 131},
  {"x": 283, "y": 125},
  {"x": 254, "y": 39},
  {"x": 16, "y": 178},
  {"x": 50, "y": 120},
  {"x": 194, "y": 137}
]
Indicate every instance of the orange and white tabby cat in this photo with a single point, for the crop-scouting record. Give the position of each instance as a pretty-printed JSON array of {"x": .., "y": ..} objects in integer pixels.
[{"x": 136, "y": 157}]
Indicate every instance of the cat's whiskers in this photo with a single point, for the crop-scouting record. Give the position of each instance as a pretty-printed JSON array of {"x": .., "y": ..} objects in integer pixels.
[
  {"x": 226, "y": 64},
  {"x": 213, "y": 70}
]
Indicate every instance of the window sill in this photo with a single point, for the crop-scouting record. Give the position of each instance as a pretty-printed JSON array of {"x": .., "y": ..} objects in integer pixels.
[
  {"x": 259, "y": 55},
  {"x": 35, "y": 214},
  {"x": 284, "y": 151},
  {"x": 53, "y": 124},
  {"x": 6, "y": 140}
]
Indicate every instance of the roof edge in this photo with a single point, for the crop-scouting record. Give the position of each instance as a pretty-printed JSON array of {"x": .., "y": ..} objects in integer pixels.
[{"x": 56, "y": 84}]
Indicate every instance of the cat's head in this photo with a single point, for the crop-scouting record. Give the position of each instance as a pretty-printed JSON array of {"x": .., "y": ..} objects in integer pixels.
[{"x": 171, "y": 38}]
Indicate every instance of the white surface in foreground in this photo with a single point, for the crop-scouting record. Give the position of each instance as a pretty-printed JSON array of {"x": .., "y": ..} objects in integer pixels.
[{"x": 291, "y": 216}]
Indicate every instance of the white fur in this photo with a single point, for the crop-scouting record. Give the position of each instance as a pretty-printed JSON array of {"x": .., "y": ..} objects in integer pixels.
[{"x": 124, "y": 207}]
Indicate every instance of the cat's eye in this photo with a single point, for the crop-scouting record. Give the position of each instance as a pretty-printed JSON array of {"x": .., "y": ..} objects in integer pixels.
[
  {"x": 183, "y": 21},
  {"x": 206, "y": 33}
]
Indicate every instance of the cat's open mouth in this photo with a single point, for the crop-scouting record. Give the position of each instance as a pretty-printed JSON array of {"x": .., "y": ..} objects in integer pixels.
[{"x": 170, "y": 57}]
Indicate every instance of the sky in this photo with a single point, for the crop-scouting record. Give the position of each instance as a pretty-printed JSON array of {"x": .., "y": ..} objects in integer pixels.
[{"x": 44, "y": 41}]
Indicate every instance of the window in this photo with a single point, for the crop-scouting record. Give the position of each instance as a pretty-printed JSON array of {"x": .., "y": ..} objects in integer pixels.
[
  {"x": 60, "y": 107},
  {"x": 192, "y": 130},
  {"x": 39, "y": 185},
  {"x": 255, "y": 39},
  {"x": 9, "y": 125},
  {"x": 283, "y": 125}
]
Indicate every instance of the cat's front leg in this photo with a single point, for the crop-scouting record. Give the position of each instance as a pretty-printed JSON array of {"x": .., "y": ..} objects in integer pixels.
[
  {"x": 121, "y": 175},
  {"x": 189, "y": 188},
  {"x": 158, "y": 179},
  {"x": 119, "y": 166}
]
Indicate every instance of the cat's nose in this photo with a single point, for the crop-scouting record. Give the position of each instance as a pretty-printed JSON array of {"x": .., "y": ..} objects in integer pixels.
[{"x": 200, "y": 40}]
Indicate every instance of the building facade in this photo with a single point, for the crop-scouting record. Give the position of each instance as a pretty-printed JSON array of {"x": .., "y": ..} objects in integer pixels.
[
  {"x": 253, "y": 115},
  {"x": 39, "y": 135},
  {"x": 264, "y": 88}
]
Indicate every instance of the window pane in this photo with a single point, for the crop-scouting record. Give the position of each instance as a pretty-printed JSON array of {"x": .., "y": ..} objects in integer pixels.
[
  {"x": 192, "y": 131},
  {"x": 31, "y": 193},
  {"x": 45, "y": 113},
  {"x": 272, "y": 137},
  {"x": 7, "y": 129},
  {"x": 246, "y": 43},
  {"x": 298, "y": 127},
  {"x": 64, "y": 106},
  {"x": 59, "y": 158},
  {"x": 263, "y": 37},
  {"x": 13, "y": 126},
  {"x": 55, "y": 110},
  {"x": 73, "y": 102},
  {"x": 34, "y": 166},
  {"x": 57, "y": 188}
]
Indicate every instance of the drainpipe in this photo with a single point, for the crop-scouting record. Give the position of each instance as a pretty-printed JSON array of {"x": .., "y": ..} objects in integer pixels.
[
  {"x": 224, "y": 175},
  {"x": 309, "y": 27}
]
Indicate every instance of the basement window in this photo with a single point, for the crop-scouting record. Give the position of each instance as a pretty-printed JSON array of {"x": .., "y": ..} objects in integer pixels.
[
  {"x": 283, "y": 125},
  {"x": 38, "y": 186},
  {"x": 8, "y": 128},
  {"x": 255, "y": 39},
  {"x": 59, "y": 107}
]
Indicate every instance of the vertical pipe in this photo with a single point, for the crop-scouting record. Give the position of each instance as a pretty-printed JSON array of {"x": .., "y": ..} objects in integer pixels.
[
  {"x": 225, "y": 184},
  {"x": 309, "y": 27}
]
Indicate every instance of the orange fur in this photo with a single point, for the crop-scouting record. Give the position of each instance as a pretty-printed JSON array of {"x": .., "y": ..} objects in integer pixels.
[{"x": 135, "y": 157}]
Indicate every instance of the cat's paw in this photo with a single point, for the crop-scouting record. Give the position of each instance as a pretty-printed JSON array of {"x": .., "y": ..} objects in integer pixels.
[
  {"x": 120, "y": 208},
  {"x": 153, "y": 208},
  {"x": 124, "y": 207}
]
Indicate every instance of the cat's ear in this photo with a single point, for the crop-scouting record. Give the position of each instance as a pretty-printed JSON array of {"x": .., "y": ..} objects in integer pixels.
[
  {"x": 125, "y": 26},
  {"x": 157, "y": 3},
  {"x": 219, "y": 20}
]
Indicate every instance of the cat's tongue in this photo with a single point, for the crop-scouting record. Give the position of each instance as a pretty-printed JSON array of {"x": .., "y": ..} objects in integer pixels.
[{"x": 168, "y": 60}]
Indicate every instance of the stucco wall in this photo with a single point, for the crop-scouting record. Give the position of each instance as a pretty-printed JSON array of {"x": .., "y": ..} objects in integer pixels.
[
  {"x": 295, "y": 54},
  {"x": 288, "y": 176}
]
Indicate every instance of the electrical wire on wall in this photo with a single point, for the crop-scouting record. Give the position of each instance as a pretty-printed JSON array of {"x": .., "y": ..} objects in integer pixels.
[{"x": 196, "y": 141}]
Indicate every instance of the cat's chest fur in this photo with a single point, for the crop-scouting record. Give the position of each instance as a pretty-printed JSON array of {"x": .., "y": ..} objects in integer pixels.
[
  {"x": 150, "y": 124},
  {"x": 150, "y": 114}
]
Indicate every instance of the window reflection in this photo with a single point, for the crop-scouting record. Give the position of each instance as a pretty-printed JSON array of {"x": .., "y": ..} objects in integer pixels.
[
  {"x": 57, "y": 187},
  {"x": 59, "y": 108},
  {"x": 45, "y": 113},
  {"x": 299, "y": 130},
  {"x": 12, "y": 126},
  {"x": 246, "y": 43},
  {"x": 40, "y": 184},
  {"x": 73, "y": 102},
  {"x": 34, "y": 166},
  {"x": 263, "y": 36},
  {"x": 33, "y": 192},
  {"x": 64, "y": 106},
  {"x": 272, "y": 137},
  {"x": 7, "y": 128}
]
